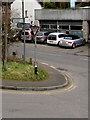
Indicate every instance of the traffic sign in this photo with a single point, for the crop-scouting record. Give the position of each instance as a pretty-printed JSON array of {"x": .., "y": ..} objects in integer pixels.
[
  {"x": 17, "y": 20},
  {"x": 34, "y": 29},
  {"x": 23, "y": 25}
]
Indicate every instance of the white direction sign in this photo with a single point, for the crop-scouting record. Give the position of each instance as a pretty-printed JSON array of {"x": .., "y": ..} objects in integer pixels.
[
  {"x": 17, "y": 20},
  {"x": 23, "y": 25}
]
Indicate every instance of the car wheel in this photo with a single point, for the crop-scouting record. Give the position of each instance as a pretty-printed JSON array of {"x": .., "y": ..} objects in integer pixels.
[
  {"x": 73, "y": 45},
  {"x": 59, "y": 44},
  {"x": 83, "y": 42}
]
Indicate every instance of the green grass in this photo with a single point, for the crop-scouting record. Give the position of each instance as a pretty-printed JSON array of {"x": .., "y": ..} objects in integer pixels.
[{"x": 23, "y": 72}]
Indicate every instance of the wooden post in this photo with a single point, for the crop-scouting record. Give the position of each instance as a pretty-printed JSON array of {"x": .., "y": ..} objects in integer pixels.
[{"x": 6, "y": 32}]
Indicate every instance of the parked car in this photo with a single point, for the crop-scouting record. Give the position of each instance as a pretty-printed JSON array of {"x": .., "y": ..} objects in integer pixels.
[
  {"x": 42, "y": 36},
  {"x": 28, "y": 36},
  {"x": 72, "y": 41},
  {"x": 17, "y": 36},
  {"x": 54, "y": 38}
]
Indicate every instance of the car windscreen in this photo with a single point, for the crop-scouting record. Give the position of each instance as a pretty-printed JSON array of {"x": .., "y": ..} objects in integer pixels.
[
  {"x": 52, "y": 37},
  {"x": 26, "y": 33},
  {"x": 72, "y": 37}
]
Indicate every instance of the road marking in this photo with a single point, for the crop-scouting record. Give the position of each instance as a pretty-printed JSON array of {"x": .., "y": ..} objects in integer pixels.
[
  {"x": 85, "y": 59},
  {"x": 45, "y": 63},
  {"x": 53, "y": 67}
]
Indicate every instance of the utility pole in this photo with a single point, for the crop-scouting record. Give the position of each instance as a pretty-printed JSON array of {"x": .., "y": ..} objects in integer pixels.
[
  {"x": 6, "y": 32},
  {"x": 23, "y": 28}
]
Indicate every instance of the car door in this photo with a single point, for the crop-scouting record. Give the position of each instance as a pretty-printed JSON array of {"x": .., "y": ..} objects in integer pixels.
[{"x": 77, "y": 40}]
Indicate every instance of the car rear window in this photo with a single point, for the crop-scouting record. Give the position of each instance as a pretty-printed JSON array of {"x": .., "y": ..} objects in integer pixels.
[
  {"x": 46, "y": 34},
  {"x": 40, "y": 34},
  {"x": 73, "y": 37},
  {"x": 52, "y": 37}
]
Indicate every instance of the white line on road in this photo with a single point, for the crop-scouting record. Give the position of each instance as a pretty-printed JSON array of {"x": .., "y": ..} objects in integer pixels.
[{"x": 85, "y": 59}]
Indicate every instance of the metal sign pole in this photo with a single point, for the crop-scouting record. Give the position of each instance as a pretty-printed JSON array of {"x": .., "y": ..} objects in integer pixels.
[
  {"x": 35, "y": 57},
  {"x": 35, "y": 48}
]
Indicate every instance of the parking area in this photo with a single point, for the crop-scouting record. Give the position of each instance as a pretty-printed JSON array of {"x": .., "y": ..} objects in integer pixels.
[{"x": 80, "y": 50}]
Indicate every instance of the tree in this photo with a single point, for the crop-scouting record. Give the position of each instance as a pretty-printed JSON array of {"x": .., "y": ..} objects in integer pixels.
[
  {"x": 61, "y": 5},
  {"x": 55, "y": 5},
  {"x": 15, "y": 13},
  {"x": 82, "y": 4}
]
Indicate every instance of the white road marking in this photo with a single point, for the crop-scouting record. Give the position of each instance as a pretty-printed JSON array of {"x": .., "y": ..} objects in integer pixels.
[
  {"x": 85, "y": 59},
  {"x": 45, "y": 63}
]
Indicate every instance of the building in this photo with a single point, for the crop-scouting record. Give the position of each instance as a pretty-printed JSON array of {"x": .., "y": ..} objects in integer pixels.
[{"x": 75, "y": 21}]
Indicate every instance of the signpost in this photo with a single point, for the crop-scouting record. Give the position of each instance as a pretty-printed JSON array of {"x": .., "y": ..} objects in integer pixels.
[{"x": 35, "y": 30}]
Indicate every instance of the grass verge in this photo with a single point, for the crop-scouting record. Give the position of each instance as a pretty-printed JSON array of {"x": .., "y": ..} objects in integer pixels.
[{"x": 23, "y": 72}]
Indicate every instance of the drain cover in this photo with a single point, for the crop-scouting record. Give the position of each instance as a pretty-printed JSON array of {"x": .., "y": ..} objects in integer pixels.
[{"x": 62, "y": 69}]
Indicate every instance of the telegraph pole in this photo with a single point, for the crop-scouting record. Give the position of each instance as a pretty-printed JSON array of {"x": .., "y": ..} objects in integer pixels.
[
  {"x": 6, "y": 31},
  {"x": 23, "y": 28}
]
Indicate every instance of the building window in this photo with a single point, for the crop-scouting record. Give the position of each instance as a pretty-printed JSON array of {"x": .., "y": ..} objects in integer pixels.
[
  {"x": 45, "y": 26},
  {"x": 76, "y": 27},
  {"x": 53, "y": 26},
  {"x": 64, "y": 27}
]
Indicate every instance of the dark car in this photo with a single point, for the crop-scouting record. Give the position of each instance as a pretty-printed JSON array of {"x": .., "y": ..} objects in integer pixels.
[
  {"x": 42, "y": 37},
  {"x": 18, "y": 35}
]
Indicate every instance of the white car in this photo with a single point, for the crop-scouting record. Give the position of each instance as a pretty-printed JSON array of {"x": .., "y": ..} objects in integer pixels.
[{"x": 54, "y": 38}]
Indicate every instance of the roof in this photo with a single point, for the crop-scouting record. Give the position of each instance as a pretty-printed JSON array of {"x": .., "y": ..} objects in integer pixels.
[{"x": 55, "y": 33}]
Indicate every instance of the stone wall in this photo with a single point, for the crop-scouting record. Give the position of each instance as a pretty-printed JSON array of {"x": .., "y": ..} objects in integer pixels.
[
  {"x": 62, "y": 14},
  {"x": 85, "y": 30}
]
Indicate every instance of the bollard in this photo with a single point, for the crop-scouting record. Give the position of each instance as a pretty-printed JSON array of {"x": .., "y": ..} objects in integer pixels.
[
  {"x": 14, "y": 53},
  {"x": 30, "y": 61},
  {"x": 35, "y": 69},
  {"x": 23, "y": 57}
]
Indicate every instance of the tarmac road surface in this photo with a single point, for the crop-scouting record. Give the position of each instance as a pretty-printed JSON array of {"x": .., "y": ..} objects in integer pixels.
[{"x": 62, "y": 103}]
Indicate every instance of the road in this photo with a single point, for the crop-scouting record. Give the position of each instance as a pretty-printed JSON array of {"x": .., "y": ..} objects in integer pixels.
[{"x": 69, "y": 102}]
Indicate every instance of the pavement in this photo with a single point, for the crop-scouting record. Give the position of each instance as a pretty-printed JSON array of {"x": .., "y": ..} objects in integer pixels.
[{"x": 57, "y": 79}]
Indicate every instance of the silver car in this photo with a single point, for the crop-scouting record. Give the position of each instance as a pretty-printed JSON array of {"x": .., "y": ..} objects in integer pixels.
[
  {"x": 72, "y": 41},
  {"x": 28, "y": 36},
  {"x": 42, "y": 36}
]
